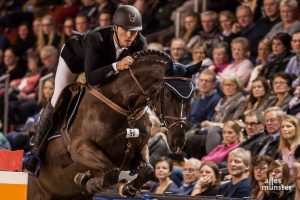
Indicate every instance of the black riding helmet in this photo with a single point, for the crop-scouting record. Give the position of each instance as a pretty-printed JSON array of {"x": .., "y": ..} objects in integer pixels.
[{"x": 128, "y": 17}]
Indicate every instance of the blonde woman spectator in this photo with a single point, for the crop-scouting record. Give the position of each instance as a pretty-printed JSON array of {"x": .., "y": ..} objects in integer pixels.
[
  {"x": 209, "y": 181},
  {"x": 232, "y": 137},
  {"x": 289, "y": 141},
  {"x": 191, "y": 29},
  {"x": 289, "y": 23},
  {"x": 220, "y": 58},
  {"x": 264, "y": 50},
  {"x": 48, "y": 34},
  {"x": 241, "y": 65},
  {"x": 238, "y": 167}
]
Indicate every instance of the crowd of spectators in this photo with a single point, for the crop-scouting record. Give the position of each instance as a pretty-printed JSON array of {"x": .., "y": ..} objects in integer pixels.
[{"x": 248, "y": 93}]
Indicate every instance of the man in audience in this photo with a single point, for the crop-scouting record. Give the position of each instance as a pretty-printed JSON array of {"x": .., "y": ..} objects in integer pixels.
[
  {"x": 49, "y": 57},
  {"x": 254, "y": 127},
  {"x": 238, "y": 167},
  {"x": 178, "y": 51},
  {"x": 82, "y": 23},
  {"x": 270, "y": 143},
  {"x": 293, "y": 67},
  {"x": 190, "y": 176}
]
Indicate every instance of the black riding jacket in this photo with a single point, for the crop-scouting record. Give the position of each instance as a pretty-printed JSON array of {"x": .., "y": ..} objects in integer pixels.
[{"x": 94, "y": 53}]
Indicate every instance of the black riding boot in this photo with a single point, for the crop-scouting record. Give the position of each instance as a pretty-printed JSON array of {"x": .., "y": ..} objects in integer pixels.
[{"x": 45, "y": 125}]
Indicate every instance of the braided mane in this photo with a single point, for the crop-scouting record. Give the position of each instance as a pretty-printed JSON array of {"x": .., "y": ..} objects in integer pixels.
[{"x": 150, "y": 52}]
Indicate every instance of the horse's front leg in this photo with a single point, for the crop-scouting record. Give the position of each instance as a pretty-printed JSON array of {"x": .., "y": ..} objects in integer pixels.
[
  {"x": 145, "y": 173},
  {"x": 103, "y": 170}
]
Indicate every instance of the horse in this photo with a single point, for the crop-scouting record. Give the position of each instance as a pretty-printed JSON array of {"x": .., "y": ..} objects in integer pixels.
[{"x": 110, "y": 130}]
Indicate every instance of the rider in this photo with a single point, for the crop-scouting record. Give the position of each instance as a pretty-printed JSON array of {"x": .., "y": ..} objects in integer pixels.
[{"x": 103, "y": 52}]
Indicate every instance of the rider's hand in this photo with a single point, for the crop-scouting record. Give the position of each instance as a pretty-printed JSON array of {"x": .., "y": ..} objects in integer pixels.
[{"x": 124, "y": 63}]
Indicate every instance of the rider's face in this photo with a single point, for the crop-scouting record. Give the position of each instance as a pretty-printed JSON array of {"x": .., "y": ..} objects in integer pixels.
[{"x": 126, "y": 37}]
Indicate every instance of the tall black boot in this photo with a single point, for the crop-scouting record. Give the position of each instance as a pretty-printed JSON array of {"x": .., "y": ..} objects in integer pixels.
[{"x": 32, "y": 162}]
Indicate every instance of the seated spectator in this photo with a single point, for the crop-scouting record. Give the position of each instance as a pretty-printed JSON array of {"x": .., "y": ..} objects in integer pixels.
[
  {"x": 297, "y": 182},
  {"x": 232, "y": 137},
  {"x": 264, "y": 50},
  {"x": 280, "y": 56},
  {"x": 67, "y": 31},
  {"x": 238, "y": 167},
  {"x": 282, "y": 84},
  {"x": 49, "y": 56},
  {"x": 191, "y": 29},
  {"x": 158, "y": 144},
  {"x": 259, "y": 175},
  {"x": 254, "y": 127},
  {"x": 220, "y": 58},
  {"x": 289, "y": 23},
  {"x": 190, "y": 176},
  {"x": 230, "y": 107},
  {"x": 241, "y": 65},
  {"x": 208, "y": 183},
  {"x": 82, "y": 23},
  {"x": 163, "y": 170},
  {"x": 294, "y": 104},
  {"x": 292, "y": 67},
  {"x": 105, "y": 19},
  {"x": 260, "y": 95},
  {"x": 178, "y": 51},
  {"x": 4, "y": 143},
  {"x": 289, "y": 142},
  {"x": 270, "y": 143},
  {"x": 178, "y": 163},
  {"x": 226, "y": 20},
  {"x": 279, "y": 175}
]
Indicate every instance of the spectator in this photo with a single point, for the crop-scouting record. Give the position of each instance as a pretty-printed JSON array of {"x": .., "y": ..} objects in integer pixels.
[
  {"x": 282, "y": 84},
  {"x": 158, "y": 145},
  {"x": 178, "y": 51},
  {"x": 36, "y": 26},
  {"x": 230, "y": 107},
  {"x": 260, "y": 95},
  {"x": 82, "y": 23},
  {"x": 294, "y": 104},
  {"x": 289, "y": 142},
  {"x": 288, "y": 14},
  {"x": 48, "y": 34},
  {"x": 190, "y": 176},
  {"x": 226, "y": 20},
  {"x": 297, "y": 181},
  {"x": 163, "y": 170},
  {"x": 191, "y": 29},
  {"x": 279, "y": 175},
  {"x": 232, "y": 137},
  {"x": 238, "y": 167},
  {"x": 220, "y": 58},
  {"x": 105, "y": 19},
  {"x": 293, "y": 68},
  {"x": 264, "y": 50},
  {"x": 254, "y": 127},
  {"x": 259, "y": 175},
  {"x": 270, "y": 143},
  {"x": 280, "y": 56},
  {"x": 241, "y": 65},
  {"x": 67, "y": 32},
  {"x": 89, "y": 9},
  {"x": 49, "y": 57},
  {"x": 208, "y": 183}
]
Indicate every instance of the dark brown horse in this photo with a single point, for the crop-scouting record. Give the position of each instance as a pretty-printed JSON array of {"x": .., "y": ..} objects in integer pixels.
[{"x": 99, "y": 140}]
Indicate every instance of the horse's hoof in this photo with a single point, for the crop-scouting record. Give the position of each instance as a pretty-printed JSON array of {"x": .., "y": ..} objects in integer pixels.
[
  {"x": 126, "y": 189},
  {"x": 111, "y": 177},
  {"x": 94, "y": 185}
]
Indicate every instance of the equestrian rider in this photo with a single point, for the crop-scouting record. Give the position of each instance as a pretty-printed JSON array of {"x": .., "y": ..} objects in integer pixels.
[{"x": 103, "y": 52}]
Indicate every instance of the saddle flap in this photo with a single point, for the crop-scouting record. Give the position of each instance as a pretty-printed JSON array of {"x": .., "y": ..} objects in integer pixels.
[{"x": 183, "y": 89}]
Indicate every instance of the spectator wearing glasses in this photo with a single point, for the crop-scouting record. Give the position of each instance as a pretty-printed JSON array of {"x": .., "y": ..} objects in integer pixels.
[
  {"x": 190, "y": 176},
  {"x": 254, "y": 127},
  {"x": 270, "y": 143}
]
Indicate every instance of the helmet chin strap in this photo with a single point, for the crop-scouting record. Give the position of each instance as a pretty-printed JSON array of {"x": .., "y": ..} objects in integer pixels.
[{"x": 115, "y": 27}]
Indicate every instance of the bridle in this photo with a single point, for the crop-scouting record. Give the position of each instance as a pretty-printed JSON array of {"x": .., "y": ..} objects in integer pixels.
[{"x": 181, "y": 120}]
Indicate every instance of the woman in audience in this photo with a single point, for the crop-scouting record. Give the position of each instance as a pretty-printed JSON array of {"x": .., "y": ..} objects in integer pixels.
[
  {"x": 191, "y": 29},
  {"x": 264, "y": 50},
  {"x": 294, "y": 104},
  {"x": 25, "y": 40},
  {"x": 48, "y": 34},
  {"x": 289, "y": 143},
  {"x": 230, "y": 107},
  {"x": 259, "y": 175},
  {"x": 280, "y": 56},
  {"x": 226, "y": 20},
  {"x": 208, "y": 183},
  {"x": 231, "y": 135},
  {"x": 68, "y": 26},
  {"x": 279, "y": 175},
  {"x": 238, "y": 167},
  {"x": 260, "y": 95},
  {"x": 163, "y": 170},
  {"x": 241, "y": 65},
  {"x": 282, "y": 84},
  {"x": 220, "y": 58}
]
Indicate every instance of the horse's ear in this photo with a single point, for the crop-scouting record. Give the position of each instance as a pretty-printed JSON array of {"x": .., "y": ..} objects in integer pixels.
[
  {"x": 169, "y": 69},
  {"x": 193, "y": 69}
]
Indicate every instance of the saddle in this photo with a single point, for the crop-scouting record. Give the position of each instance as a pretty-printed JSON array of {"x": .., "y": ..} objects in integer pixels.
[{"x": 67, "y": 105}]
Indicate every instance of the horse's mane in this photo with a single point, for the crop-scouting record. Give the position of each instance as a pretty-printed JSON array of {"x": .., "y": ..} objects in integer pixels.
[{"x": 148, "y": 53}]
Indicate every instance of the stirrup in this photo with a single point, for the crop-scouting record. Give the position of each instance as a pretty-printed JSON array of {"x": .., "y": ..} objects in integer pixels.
[{"x": 28, "y": 156}]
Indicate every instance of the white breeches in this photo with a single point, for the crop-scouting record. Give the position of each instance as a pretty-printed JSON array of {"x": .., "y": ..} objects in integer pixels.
[{"x": 63, "y": 78}]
